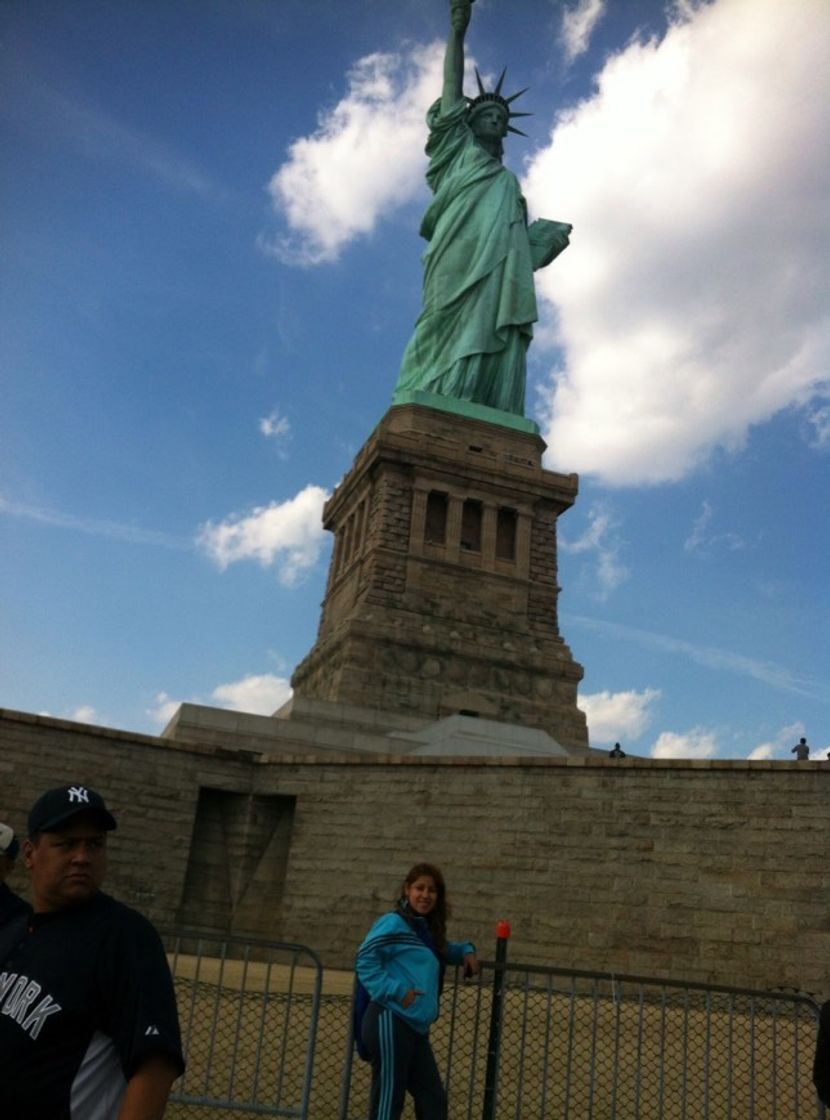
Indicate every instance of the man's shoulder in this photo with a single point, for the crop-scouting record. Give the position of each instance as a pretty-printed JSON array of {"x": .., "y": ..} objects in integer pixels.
[
  {"x": 104, "y": 920},
  {"x": 102, "y": 909},
  {"x": 105, "y": 903},
  {"x": 122, "y": 917},
  {"x": 11, "y": 904}
]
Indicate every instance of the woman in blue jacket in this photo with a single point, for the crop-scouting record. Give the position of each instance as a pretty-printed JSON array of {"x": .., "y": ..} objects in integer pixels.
[{"x": 401, "y": 965}]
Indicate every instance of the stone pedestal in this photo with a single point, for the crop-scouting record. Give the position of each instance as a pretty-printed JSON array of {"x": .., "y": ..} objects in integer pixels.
[{"x": 442, "y": 592}]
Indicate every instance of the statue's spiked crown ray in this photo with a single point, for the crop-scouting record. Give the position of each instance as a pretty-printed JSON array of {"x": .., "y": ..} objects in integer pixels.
[{"x": 491, "y": 97}]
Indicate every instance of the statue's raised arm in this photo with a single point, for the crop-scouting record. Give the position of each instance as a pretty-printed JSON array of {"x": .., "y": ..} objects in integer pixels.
[
  {"x": 471, "y": 338},
  {"x": 454, "y": 57}
]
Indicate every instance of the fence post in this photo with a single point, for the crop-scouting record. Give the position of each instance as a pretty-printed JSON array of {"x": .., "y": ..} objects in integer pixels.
[
  {"x": 348, "y": 1063},
  {"x": 488, "y": 1112}
]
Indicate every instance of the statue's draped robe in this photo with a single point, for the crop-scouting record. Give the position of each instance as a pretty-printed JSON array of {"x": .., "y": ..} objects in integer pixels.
[{"x": 471, "y": 338}]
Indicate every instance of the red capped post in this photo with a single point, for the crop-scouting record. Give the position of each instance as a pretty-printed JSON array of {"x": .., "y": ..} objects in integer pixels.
[{"x": 491, "y": 1078}]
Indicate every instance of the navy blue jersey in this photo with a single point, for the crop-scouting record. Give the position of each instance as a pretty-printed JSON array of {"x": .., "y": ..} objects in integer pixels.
[
  {"x": 11, "y": 904},
  {"x": 85, "y": 997}
]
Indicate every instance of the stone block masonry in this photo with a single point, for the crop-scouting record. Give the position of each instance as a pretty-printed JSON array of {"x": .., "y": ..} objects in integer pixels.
[
  {"x": 442, "y": 592},
  {"x": 710, "y": 871}
]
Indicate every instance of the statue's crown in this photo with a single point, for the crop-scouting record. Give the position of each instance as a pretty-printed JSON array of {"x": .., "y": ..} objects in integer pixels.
[{"x": 494, "y": 97}]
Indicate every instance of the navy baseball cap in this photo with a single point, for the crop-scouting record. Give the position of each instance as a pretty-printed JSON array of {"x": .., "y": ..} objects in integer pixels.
[
  {"x": 57, "y": 806},
  {"x": 9, "y": 845}
]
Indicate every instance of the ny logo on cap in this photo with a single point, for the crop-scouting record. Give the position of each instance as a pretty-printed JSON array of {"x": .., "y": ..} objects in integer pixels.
[{"x": 78, "y": 793}]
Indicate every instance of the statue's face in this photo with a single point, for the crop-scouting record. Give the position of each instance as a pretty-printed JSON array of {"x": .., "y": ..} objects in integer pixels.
[{"x": 489, "y": 123}]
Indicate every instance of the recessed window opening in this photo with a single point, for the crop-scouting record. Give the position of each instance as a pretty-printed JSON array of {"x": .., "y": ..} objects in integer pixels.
[
  {"x": 436, "y": 520},
  {"x": 506, "y": 534},
  {"x": 471, "y": 526},
  {"x": 348, "y": 536}
]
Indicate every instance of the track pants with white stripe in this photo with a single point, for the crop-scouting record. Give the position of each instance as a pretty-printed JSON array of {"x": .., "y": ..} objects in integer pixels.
[{"x": 402, "y": 1061}]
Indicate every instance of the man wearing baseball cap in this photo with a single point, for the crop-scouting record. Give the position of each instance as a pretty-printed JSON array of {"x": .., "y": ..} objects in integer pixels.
[
  {"x": 88, "y": 1022},
  {"x": 11, "y": 904}
]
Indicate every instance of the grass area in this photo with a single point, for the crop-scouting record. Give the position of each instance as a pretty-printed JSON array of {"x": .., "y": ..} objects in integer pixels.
[{"x": 566, "y": 1054}]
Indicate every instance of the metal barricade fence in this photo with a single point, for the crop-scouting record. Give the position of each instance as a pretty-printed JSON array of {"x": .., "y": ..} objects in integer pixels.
[
  {"x": 580, "y": 1045},
  {"x": 265, "y": 1036},
  {"x": 249, "y": 1013}
]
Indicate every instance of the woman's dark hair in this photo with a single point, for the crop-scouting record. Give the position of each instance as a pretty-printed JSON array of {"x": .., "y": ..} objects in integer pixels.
[{"x": 437, "y": 918}]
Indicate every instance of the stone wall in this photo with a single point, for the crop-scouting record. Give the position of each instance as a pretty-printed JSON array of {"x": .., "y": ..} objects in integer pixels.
[
  {"x": 711, "y": 871},
  {"x": 152, "y": 790}
]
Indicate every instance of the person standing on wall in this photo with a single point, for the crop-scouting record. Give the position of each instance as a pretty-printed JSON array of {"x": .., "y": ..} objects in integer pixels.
[
  {"x": 88, "y": 1022},
  {"x": 401, "y": 966}
]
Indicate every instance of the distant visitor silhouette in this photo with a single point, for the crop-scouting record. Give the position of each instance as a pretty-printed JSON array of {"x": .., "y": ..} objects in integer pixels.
[{"x": 801, "y": 750}]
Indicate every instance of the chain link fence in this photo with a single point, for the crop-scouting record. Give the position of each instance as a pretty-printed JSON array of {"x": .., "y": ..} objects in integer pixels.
[
  {"x": 588, "y": 1046},
  {"x": 267, "y": 1033}
]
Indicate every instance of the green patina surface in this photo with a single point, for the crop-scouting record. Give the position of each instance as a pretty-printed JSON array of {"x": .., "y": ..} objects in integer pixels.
[
  {"x": 467, "y": 408},
  {"x": 479, "y": 305}
]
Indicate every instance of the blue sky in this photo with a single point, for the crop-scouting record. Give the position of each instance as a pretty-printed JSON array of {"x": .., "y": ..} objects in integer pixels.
[{"x": 210, "y": 271}]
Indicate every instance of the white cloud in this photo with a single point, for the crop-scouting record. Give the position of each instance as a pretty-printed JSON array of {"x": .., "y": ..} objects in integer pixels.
[
  {"x": 274, "y": 426},
  {"x": 619, "y": 716},
  {"x": 696, "y": 743},
  {"x": 578, "y": 24},
  {"x": 277, "y": 428},
  {"x": 164, "y": 709},
  {"x": 85, "y": 713},
  {"x": 365, "y": 157},
  {"x": 261, "y": 695},
  {"x": 690, "y": 304},
  {"x": 701, "y": 541},
  {"x": 287, "y": 535},
  {"x": 601, "y": 541},
  {"x": 780, "y": 746},
  {"x": 762, "y": 752},
  {"x": 818, "y": 417}
]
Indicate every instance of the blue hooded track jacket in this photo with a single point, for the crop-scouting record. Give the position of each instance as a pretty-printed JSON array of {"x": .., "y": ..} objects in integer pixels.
[{"x": 393, "y": 959}]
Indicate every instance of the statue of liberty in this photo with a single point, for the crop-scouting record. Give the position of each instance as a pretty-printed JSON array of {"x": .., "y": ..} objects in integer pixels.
[{"x": 470, "y": 341}]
